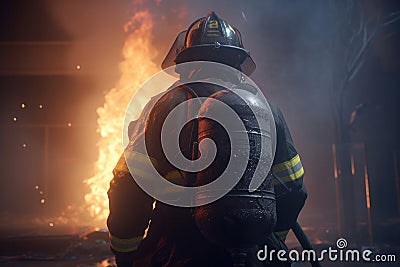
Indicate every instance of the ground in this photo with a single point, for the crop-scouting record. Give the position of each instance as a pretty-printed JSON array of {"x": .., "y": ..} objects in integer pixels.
[{"x": 72, "y": 246}]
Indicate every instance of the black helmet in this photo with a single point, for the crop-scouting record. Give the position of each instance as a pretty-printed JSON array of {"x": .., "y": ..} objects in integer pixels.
[{"x": 210, "y": 39}]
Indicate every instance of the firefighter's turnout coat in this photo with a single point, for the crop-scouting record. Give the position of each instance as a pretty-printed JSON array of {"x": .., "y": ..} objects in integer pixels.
[{"x": 172, "y": 237}]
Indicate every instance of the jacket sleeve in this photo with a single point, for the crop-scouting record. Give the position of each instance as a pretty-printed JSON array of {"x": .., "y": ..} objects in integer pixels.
[
  {"x": 130, "y": 211},
  {"x": 130, "y": 207},
  {"x": 289, "y": 173}
]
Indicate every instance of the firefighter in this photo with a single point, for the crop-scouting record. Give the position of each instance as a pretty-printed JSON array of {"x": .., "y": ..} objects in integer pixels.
[{"x": 173, "y": 237}]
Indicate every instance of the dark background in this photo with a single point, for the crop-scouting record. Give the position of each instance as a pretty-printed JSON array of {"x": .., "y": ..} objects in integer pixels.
[{"x": 301, "y": 48}]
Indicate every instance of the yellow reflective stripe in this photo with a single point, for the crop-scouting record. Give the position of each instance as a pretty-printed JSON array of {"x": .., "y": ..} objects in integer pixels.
[
  {"x": 282, "y": 234},
  {"x": 138, "y": 163},
  {"x": 291, "y": 177},
  {"x": 121, "y": 165},
  {"x": 140, "y": 158},
  {"x": 288, "y": 171},
  {"x": 126, "y": 240},
  {"x": 174, "y": 176},
  {"x": 125, "y": 245},
  {"x": 287, "y": 164},
  {"x": 138, "y": 172}
]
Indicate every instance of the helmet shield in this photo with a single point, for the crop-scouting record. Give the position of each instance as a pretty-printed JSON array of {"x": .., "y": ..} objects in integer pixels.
[
  {"x": 176, "y": 48},
  {"x": 210, "y": 39}
]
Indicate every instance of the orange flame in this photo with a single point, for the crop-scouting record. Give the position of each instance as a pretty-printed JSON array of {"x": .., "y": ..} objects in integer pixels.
[{"x": 136, "y": 67}]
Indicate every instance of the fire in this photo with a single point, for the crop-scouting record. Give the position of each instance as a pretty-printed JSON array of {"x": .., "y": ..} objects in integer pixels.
[{"x": 135, "y": 68}]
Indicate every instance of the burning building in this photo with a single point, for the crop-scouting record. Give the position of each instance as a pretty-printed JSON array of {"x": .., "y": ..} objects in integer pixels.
[{"x": 69, "y": 68}]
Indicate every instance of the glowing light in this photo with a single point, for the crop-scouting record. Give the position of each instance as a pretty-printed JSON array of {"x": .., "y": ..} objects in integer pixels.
[
  {"x": 24, "y": 145},
  {"x": 36, "y": 187},
  {"x": 14, "y": 118},
  {"x": 40, "y": 106},
  {"x": 78, "y": 67},
  {"x": 146, "y": 230},
  {"x": 51, "y": 224},
  {"x": 69, "y": 124},
  {"x": 42, "y": 201},
  {"x": 335, "y": 167},
  {"x": 23, "y": 105},
  {"x": 244, "y": 16},
  {"x": 137, "y": 66},
  {"x": 41, "y": 192}
]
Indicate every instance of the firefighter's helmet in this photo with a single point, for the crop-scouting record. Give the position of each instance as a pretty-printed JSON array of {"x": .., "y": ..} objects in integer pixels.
[{"x": 210, "y": 39}]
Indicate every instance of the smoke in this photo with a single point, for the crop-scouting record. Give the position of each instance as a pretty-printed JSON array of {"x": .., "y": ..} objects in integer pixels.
[
  {"x": 288, "y": 40},
  {"x": 284, "y": 38}
]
